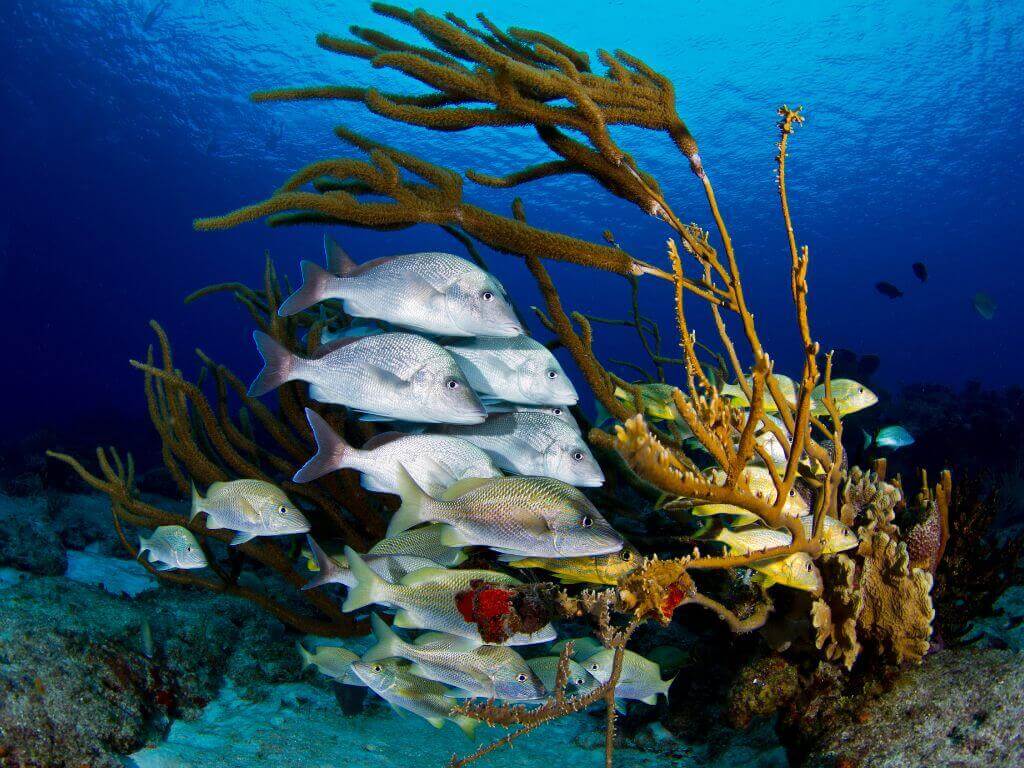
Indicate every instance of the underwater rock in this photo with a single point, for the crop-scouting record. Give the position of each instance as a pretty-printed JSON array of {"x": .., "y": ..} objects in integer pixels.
[
  {"x": 1005, "y": 628},
  {"x": 82, "y": 521},
  {"x": 77, "y": 687},
  {"x": 761, "y": 689},
  {"x": 962, "y": 708},
  {"x": 28, "y": 539}
]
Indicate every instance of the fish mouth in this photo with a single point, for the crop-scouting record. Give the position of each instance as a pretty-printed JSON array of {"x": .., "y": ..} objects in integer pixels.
[
  {"x": 593, "y": 480},
  {"x": 507, "y": 330},
  {"x": 466, "y": 417}
]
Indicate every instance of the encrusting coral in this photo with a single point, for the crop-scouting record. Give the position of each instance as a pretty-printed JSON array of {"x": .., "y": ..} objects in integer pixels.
[{"x": 484, "y": 77}]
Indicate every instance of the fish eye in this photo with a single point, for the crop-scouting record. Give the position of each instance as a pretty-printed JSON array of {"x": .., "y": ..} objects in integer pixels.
[
  {"x": 283, "y": 510},
  {"x": 552, "y": 374},
  {"x": 578, "y": 456},
  {"x": 792, "y": 493},
  {"x": 860, "y": 390},
  {"x": 627, "y": 556},
  {"x": 578, "y": 681},
  {"x": 521, "y": 678},
  {"x": 377, "y": 667},
  {"x": 809, "y": 567},
  {"x": 452, "y": 384},
  {"x": 587, "y": 521},
  {"x": 595, "y": 667},
  {"x": 487, "y": 296},
  {"x": 188, "y": 548},
  {"x": 556, "y": 411}
]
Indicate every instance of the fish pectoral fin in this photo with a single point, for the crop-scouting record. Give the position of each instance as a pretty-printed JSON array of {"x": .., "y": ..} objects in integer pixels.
[
  {"x": 241, "y": 537},
  {"x": 249, "y": 511},
  {"x": 386, "y": 378},
  {"x": 397, "y": 710},
  {"x": 375, "y": 417},
  {"x": 464, "y": 486},
  {"x": 423, "y": 575},
  {"x": 437, "y": 722},
  {"x": 452, "y": 537},
  {"x": 652, "y": 699},
  {"x": 405, "y": 620}
]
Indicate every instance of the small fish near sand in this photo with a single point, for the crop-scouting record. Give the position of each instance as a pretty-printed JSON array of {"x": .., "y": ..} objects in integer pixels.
[
  {"x": 515, "y": 370},
  {"x": 250, "y": 507},
  {"x": 394, "y": 681},
  {"x": 889, "y": 290},
  {"x": 984, "y": 305},
  {"x": 391, "y": 375},
  {"x": 330, "y": 660},
  {"x": 425, "y": 599},
  {"x": 434, "y": 461},
  {"x": 436, "y": 293},
  {"x": 640, "y": 678},
  {"x": 172, "y": 547},
  {"x": 893, "y": 436},
  {"x": 490, "y": 671},
  {"x": 532, "y": 443},
  {"x": 528, "y": 516}
]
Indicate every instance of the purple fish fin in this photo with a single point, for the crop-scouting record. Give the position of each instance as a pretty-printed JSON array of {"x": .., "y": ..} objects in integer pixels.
[
  {"x": 278, "y": 365},
  {"x": 330, "y": 450},
  {"x": 338, "y": 262},
  {"x": 315, "y": 283}
]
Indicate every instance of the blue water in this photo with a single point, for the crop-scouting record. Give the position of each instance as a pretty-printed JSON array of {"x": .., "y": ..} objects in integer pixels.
[{"x": 123, "y": 121}]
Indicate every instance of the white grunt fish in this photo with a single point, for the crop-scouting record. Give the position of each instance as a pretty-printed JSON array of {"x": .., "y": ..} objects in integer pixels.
[
  {"x": 579, "y": 683},
  {"x": 335, "y": 570},
  {"x": 514, "y": 370},
  {"x": 393, "y": 681},
  {"x": 330, "y": 660},
  {"x": 437, "y": 293},
  {"x": 528, "y": 516},
  {"x": 434, "y": 461},
  {"x": 390, "y": 375},
  {"x": 425, "y": 599},
  {"x": 491, "y": 671},
  {"x": 422, "y": 542},
  {"x": 172, "y": 546},
  {"x": 639, "y": 678},
  {"x": 250, "y": 507},
  {"x": 560, "y": 412},
  {"x": 531, "y": 443}
]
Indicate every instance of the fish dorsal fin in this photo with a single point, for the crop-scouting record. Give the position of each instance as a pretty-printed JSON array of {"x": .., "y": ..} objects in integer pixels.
[
  {"x": 332, "y": 346},
  {"x": 338, "y": 262},
  {"x": 423, "y": 575},
  {"x": 366, "y": 266},
  {"x": 382, "y": 439},
  {"x": 464, "y": 486}
]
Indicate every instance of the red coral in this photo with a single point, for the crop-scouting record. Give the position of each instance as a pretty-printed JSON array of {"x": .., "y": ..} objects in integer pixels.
[
  {"x": 672, "y": 600},
  {"x": 489, "y": 607}
]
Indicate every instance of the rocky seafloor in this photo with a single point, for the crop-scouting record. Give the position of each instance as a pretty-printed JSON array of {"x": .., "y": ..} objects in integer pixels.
[{"x": 100, "y": 666}]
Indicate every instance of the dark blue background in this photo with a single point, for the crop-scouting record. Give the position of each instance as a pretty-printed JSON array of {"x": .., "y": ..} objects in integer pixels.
[{"x": 116, "y": 132}]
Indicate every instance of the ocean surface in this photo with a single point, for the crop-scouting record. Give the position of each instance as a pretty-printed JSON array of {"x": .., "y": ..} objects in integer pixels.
[{"x": 125, "y": 120}]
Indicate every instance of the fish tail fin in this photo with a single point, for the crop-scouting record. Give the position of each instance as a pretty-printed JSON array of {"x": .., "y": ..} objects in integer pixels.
[
  {"x": 197, "y": 500},
  {"x": 388, "y": 644},
  {"x": 724, "y": 535},
  {"x": 317, "y": 282},
  {"x": 144, "y": 544},
  {"x": 278, "y": 365},
  {"x": 331, "y": 450},
  {"x": 665, "y": 685},
  {"x": 338, "y": 262},
  {"x": 467, "y": 725},
  {"x": 327, "y": 569},
  {"x": 868, "y": 439},
  {"x": 307, "y": 657},
  {"x": 369, "y": 587},
  {"x": 415, "y": 507}
]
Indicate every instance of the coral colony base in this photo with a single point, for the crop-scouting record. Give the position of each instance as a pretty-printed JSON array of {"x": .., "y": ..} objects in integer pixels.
[{"x": 834, "y": 564}]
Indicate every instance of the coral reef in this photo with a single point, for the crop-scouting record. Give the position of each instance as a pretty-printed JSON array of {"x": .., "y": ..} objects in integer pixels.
[{"x": 483, "y": 77}]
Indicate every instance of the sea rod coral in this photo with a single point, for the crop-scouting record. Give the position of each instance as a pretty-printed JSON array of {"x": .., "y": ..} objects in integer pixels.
[{"x": 767, "y": 459}]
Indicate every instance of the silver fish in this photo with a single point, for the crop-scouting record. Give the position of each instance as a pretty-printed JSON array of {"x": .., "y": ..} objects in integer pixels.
[
  {"x": 491, "y": 671},
  {"x": 529, "y": 443},
  {"x": 250, "y": 507},
  {"x": 421, "y": 542},
  {"x": 434, "y": 461},
  {"x": 335, "y": 570},
  {"x": 391, "y": 375},
  {"x": 330, "y": 660},
  {"x": 639, "y": 679},
  {"x": 393, "y": 681},
  {"x": 579, "y": 683},
  {"x": 529, "y": 516},
  {"x": 172, "y": 546},
  {"x": 425, "y": 599},
  {"x": 561, "y": 412},
  {"x": 516, "y": 370},
  {"x": 437, "y": 293}
]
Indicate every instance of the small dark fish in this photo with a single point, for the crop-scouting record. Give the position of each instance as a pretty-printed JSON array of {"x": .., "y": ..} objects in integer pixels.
[
  {"x": 920, "y": 271},
  {"x": 868, "y": 365},
  {"x": 888, "y": 289}
]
